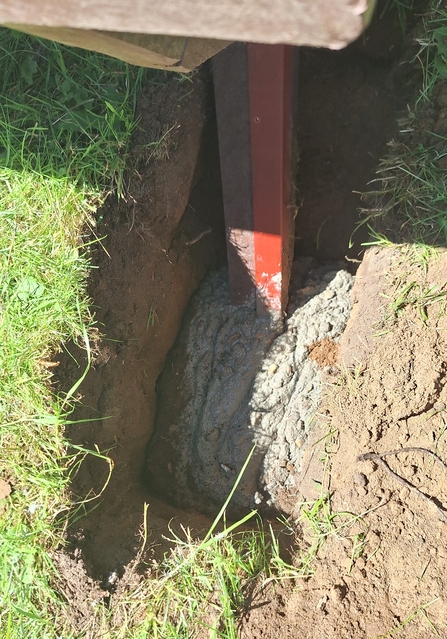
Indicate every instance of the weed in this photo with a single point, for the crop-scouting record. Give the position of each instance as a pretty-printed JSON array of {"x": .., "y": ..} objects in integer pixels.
[
  {"x": 432, "y": 55},
  {"x": 151, "y": 317},
  {"x": 420, "y": 611},
  {"x": 322, "y": 523}
]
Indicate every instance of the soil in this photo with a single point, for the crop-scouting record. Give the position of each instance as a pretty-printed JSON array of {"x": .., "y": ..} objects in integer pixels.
[
  {"x": 384, "y": 383},
  {"x": 158, "y": 246},
  {"x": 395, "y": 398},
  {"x": 347, "y": 104}
]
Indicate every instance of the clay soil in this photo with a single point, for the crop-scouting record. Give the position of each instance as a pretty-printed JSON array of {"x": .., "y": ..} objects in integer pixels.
[{"x": 385, "y": 385}]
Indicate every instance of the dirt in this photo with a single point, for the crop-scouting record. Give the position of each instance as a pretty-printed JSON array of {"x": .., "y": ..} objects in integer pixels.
[
  {"x": 347, "y": 104},
  {"x": 384, "y": 384},
  {"x": 324, "y": 352},
  {"x": 395, "y": 397},
  {"x": 158, "y": 246}
]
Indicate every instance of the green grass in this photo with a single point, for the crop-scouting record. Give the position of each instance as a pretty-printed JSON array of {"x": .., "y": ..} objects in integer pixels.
[
  {"x": 408, "y": 199},
  {"x": 66, "y": 112},
  {"x": 66, "y": 118}
]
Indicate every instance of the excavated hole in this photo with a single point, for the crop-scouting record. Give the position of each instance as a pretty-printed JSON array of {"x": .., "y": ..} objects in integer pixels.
[{"x": 229, "y": 381}]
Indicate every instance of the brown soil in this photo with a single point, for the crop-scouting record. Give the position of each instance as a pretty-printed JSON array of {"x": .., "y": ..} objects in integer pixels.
[
  {"x": 347, "y": 106},
  {"x": 396, "y": 397},
  {"x": 390, "y": 391},
  {"x": 158, "y": 246},
  {"x": 325, "y": 352}
]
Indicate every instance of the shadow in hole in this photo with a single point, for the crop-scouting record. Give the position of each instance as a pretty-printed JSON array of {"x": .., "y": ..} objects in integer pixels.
[
  {"x": 349, "y": 101},
  {"x": 140, "y": 278}
]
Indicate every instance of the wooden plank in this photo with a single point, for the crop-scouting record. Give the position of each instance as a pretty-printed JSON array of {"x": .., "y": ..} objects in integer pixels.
[
  {"x": 324, "y": 23},
  {"x": 172, "y": 53}
]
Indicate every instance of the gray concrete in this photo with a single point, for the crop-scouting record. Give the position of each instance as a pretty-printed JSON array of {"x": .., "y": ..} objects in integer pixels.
[{"x": 234, "y": 380}]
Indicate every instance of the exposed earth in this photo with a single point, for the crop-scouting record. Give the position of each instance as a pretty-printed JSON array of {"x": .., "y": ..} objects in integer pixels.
[{"x": 328, "y": 393}]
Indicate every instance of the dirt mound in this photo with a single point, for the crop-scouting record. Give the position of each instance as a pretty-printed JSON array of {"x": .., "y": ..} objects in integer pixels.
[{"x": 385, "y": 566}]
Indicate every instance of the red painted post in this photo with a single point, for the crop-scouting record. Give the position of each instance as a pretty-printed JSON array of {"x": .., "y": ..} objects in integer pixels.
[{"x": 270, "y": 108}]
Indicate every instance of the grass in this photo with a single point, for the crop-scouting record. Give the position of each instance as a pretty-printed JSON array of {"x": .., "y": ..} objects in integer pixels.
[
  {"x": 66, "y": 118},
  {"x": 408, "y": 201},
  {"x": 402, "y": 8},
  {"x": 422, "y": 610},
  {"x": 66, "y": 112},
  {"x": 412, "y": 191}
]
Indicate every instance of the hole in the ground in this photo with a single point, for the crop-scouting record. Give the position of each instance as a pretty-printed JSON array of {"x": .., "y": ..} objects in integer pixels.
[{"x": 224, "y": 386}]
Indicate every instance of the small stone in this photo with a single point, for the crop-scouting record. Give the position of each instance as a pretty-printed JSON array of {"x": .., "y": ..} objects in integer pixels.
[
  {"x": 273, "y": 368},
  {"x": 404, "y": 493},
  {"x": 258, "y": 498},
  {"x": 299, "y": 442},
  {"x": 439, "y": 406},
  {"x": 360, "y": 479},
  {"x": 433, "y": 551},
  {"x": 321, "y": 604},
  {"x": 286, "y": 370},
  {"x": 329, "y": 294},
  {"x": 325, "y": 327},
  {"x": 282, "y": 463},
  {"x": 395, "y": 508},
  {"x": 361, "y": 491}
]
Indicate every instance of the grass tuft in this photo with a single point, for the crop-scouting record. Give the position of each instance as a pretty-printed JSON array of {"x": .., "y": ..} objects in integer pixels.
[
  {"x": 407, "y": 202},
  {"x": 66, "y": 112}
]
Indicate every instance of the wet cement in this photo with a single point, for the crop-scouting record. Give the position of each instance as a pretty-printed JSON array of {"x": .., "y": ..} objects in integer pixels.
[{"x": 233, "y": 381}]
